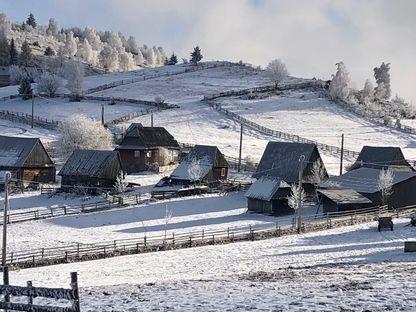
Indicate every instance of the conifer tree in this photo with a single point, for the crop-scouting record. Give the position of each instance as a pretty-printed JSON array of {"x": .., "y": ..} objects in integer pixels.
[
  {"x": 25, "y": 89},
  {"x": 26, "y": 55},
  {"x": 172, "y": 60},
  {"x": 196, "y": 56},
  {"x": 4, "y": 52},
  {"x": 49, "y": 52},
  {"x": 31, "y": 21},
  {"x": 14, "y": 55}
]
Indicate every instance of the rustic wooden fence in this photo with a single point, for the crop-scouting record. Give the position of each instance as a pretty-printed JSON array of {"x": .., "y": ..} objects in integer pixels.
[
  {"x": 25, "y": 118},
  {"x": 105, "y": 249},
  {"x": 31, "y": 292}
]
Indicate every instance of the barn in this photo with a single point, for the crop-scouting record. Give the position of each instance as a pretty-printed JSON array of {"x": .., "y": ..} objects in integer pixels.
[
  {"x": 269, "y": 195},
  {"x": 281, "y": 160},
  {"x": 146, "y": 148},
  {"x": 379, "y": 157},
  {"x": 91, "y": 169},
  {"x": 203, "y": 163},
  {"x": 334, "y": 200},
  {"x": 365, "y": 181},
  {"x": 27, "y": 159}
]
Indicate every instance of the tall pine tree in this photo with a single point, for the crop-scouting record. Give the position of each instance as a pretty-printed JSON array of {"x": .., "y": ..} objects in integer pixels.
[
  {"x": 31, "y": 21},
  {"x": 172, "y": 60},
  {"x": 196, "y": 56},
  {"x": 4, "y": 52},
  {"x": 26, "y": 55},
  {"x": 49, "y": 52},
  {"x": 25, "y": 89},
  {"x": 14, "y": 55}
]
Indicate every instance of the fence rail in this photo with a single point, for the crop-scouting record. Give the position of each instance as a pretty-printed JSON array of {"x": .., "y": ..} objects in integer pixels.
[
  {"x": 25, "y": 118},
  {"x": 84, "y": 252}
]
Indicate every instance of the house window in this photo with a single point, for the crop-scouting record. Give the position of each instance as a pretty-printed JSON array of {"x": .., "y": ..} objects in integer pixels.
[
  {"x": 222, "y": 172},
  {"x": 149, "y": 154},
  {"x": 136, "y": 154}
]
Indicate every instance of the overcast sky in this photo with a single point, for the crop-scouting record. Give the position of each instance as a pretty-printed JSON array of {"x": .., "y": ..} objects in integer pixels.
[{"x": 310, "y": 36}]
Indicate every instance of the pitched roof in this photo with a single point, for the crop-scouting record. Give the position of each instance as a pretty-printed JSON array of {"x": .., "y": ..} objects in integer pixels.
[
  {"x": 14, "y": 151},
  {"x": 344, "y": 196},
  {"x": 364, "y": 180},
  {"x": 265, "y": 188},
  {"x": 139, "y": 137},
  {"x": 379, "y": 157},
  {"x": 90, "y": 163},
  {"x": 281, "y": 159},
  {"x": 208, "y": 157}
]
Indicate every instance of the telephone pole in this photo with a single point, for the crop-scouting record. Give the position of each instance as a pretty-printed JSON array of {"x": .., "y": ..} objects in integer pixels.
[
  {"x": 102, "y": 114},
  {"x": 342, "y": 154},
  {"x": 299, "y": 212},
  {"x": 151, "y": 119},
  {"x": 6, "y": 207},
  {"x": 33, "y": 108},
  {"x": 241, "y": 147}
]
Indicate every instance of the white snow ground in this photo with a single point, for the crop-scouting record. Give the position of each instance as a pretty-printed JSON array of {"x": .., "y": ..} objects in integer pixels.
[{"x": 349, "y": 269}]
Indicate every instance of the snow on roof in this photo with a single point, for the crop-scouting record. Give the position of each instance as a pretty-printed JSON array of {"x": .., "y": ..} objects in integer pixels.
[
  {"x": 182, "y": 172},
  {"x": 14, "y": 151},
  {"x": 265, "y": 188},
  {"x": 344, "y": 196},
  {"x": 364, "y": 180}
]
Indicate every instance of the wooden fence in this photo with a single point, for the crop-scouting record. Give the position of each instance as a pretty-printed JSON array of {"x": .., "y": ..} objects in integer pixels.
[
  {"x": 31, "y": 292},
  {"x": 84, "y": 252},
  {"x": 27, "y": 119}
]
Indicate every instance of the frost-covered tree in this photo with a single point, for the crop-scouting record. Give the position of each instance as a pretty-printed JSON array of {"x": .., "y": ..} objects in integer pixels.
[
  {"x": 115, "y": 42},
  {"x": 368, "y": 90},
  {"x": 295, "y": 201},
  {"x": 160, "y": 56},
  {"x": 151, "y": 58},
  {"x": 31, "y": 21},
  {"x": 132, "y": 45},
  {"x": 109, "y": 58},
  {"x": 340, "y": 86},
  {"x": 52, "y": 29},
  {"x": 86, "y": 52},
  {"x": 382, "y": 76},
  {"x": 196, "y": 56},
  {"x": 385, "y": 184},
  {"x": 277, "y": 71},
  {"x": 49, "y": 51},
  {"x": 17, "y": 74},
  {"x": 120, "y": 185},
  {"x": 168, "y": 217},
  {"x": 318, "y": 172},
  {"x": 70, "y": 47},
  {"x": 26, "y": 54},
  {"x": 126, "y": 61},
  {"x": 81, "y": 132},
  {"x": 48, "y": 83},
  {"x": 139, "y": 59},
  {"x": 195, "y": 170},
  {"x": 5, "y": 26},
  {"x": 93, "y": 38},
  {"x": 25, "y": 89},
  {"x": 74, "y": 75}
]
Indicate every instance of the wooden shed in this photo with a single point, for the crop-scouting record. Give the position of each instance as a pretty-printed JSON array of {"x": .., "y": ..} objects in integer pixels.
[
  {"x": 379, "y": 157},
  {"x": 333, "y": 200},
  {"x": 27, "y": 159},
  {"x": 269, "y": 195},
  {"x": 91, "y": 169},
  {"x": 281, "y": 160},
  {"x": 146, "y": 148},
  {"x": 209, "y": 163}
]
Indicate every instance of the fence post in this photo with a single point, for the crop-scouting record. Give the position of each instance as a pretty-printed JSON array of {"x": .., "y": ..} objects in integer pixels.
[
  {"x": 30, "y": 297},
  {"x": 213, "y": 239},
  {"x": 75, "y": 291},
  {"x": 173, "y": 239},
  {"x": 78, "y": 250},
  {"x": 144, "y": 243},
  {"x": 43, "y": 252},
  {"x": 228, "y": 233},
  {"x": 190, "y": 241},
  {"x": 115, "y": 245},
  {"x": 203, "y": 235}
]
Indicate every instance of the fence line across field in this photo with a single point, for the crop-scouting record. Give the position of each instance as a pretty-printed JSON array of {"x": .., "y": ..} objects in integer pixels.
[{"x": 172, "y": 240}]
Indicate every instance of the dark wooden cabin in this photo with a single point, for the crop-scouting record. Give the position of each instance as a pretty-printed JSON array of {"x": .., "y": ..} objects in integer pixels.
[
  {"x": 382, "y": 157},
  {"x": 334, "y": 200},
  {"x": 365, "y": 181},
  {"x": 91, "y": 169},
  {"x": 269, "y": 195},
  {"x": 211, "y": 162},
  {"x": 281, "y": 160},
  {"x": 27, "y": 159},
  {"x": 147, "y": 148}
]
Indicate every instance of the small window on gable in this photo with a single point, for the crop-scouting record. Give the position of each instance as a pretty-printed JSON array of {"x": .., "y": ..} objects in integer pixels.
[
  {"x": 149, "y": 154},
  {"x": 136, "y": 154},
  {"x": 222, "y": 172}
]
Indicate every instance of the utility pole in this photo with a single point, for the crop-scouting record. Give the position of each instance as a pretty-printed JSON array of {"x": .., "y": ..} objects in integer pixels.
[
  {"x": 241, "y": 147},
  {"x": 342, "y": 154},
  {"x": 102, "y": 114},
  {"x": 299, "y": 212},
  {"x": 6, "y": 207},
  {"x": 151, "y": 119},
  {"x": 33, "y": 108}
]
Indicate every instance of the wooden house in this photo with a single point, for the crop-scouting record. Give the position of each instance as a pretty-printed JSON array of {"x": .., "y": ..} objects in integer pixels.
[
  {"x": 382, "y": 157},
  {"x": 145, "y": 148},
  {"x": 334, "y": 200},
  {"x": 365, "y": 181},
  {"x": 203, "y": 163},
  {"x": 281, "y": 160},
  {"x": 91, "y": 170},
  {"x": 27, "y": 160},
  {"x": 269, "y": 195}
]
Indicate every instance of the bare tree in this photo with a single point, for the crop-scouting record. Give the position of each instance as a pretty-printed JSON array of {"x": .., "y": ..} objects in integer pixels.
[
  {"x": 385, "y": 184},
  {"x": 318, "y": 172},
  {"x": 277, "y": 71},
  {"x": 296, "y": 194},
  {"x": 168, "y": 217},
  {"x": 120, "y": 185},
  {"x": 195, "y": 170}
]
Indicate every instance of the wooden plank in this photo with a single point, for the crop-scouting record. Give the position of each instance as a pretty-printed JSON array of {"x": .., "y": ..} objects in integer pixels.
[
  {"x": 33, "y": 308},
  {"x": 55, "y": 293}
]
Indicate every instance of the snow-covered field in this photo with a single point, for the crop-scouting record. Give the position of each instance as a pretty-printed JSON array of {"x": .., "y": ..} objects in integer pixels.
[
  {"x": 9, "y": 128},
  {"x": 349, "y": 269}
]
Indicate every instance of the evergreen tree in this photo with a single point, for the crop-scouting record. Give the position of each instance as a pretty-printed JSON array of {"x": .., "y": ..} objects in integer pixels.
[
  {"x": 26, "y": 55},
  {"x": 382, "y": 76},
  {"x": 31, "y": 20},
  {"x": 49, "y": 52},
  {"x": 14, "y": 55},
  {"x": 25, "y": 89},
  {"x": 4, "y": 52},
  {"x": 196, "y": 56},
  {"x": 172, "y": 60}
]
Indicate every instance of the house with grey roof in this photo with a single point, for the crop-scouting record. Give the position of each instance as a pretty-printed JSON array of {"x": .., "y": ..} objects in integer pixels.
[
  {"x": 27, "y": 160},
  {"x": 382, "y": 157},
  {"x": 91, "y": 170},
  {"x": 145, "y": 148},
  {"x": 204, "y": 163},
  {"x": 333, "y": 200}
]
